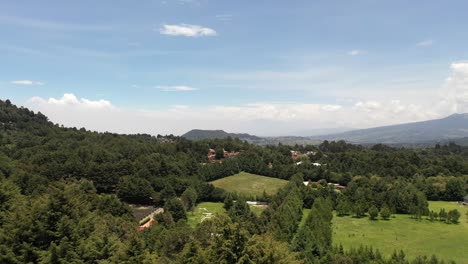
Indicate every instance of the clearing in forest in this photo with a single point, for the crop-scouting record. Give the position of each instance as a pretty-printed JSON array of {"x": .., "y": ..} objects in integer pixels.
[
  {"x": 250, "y": 184},
  {"x": 204, "y": 211},
  {"x": 415, "y": 238}
]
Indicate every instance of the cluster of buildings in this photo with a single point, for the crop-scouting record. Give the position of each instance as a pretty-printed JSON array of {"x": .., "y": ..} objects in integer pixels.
[
  {"x": 295, "y": 155},
  {"x": 226, "y": 154}
]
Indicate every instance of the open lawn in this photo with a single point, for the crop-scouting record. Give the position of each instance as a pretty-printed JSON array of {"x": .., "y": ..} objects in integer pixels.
[
  {"x": 202, "y": 210},
  {"x": 446, "y": 241},
  {"x": 250, "y": 184}
]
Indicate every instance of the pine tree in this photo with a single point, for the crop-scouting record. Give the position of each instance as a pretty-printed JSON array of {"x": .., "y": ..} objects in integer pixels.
[
  {"x": 176, "y": 208},
  {"x": 314, "y": 238}
]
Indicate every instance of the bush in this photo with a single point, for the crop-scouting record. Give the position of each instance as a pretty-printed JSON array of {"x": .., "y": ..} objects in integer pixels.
[
  {"x": 373, "y": 212},
  {"x": 385, "y": 213}
]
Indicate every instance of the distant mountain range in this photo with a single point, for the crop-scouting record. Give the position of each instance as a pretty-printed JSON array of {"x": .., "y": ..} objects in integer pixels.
[
  {"x": 453, "y": 128},
  {"x": 444, "y": 129}
]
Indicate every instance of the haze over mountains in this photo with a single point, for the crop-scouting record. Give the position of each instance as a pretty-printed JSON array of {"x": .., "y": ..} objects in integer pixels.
[
  {"x": 448, "y": 128},
  {"x": 452, "y": 128}
]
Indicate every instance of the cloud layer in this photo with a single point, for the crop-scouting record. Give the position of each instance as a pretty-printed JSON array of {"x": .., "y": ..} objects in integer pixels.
[
  {"x": 186, "y": 30},
  {"x": 262, "y": 118},
  {"x": 26, "y": 82},
  {"x": 69, "y": 100}
]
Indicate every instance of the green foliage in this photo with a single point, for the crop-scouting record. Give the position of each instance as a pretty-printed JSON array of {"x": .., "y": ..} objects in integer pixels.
[
  {"x": 192, "y": 254},
  {"x": 189, "y": 198},
  {"x": 385, "y": 213},
  {"x": 59, "y": 189},
  {"x": 135, "y": 190},
  {"x": 373, "y": 212},
  {"x": 64, "y": 226},
  {"x": 453, "y": 216},
  {"x": 264, "y": 249},
  {"x": 228, "y": 201},
  {"x": 219, "y": 154},
  {"x": 175, "y": 207},
  {"x": 286, "y": 216},
  {"x": 343, "y": 206},
  {"x": 314, "y": 238}
]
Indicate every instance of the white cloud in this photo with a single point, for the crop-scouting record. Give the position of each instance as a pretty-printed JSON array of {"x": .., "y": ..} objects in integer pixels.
[
  {"x": 186, "y": 30},
  {"x": 368, "y": 106},
  {"x": 70, "y": 100},
  {"x": 27, "y": 82},
  {"x": 180, "y": 88},
  {"x": 261, "y": 118},
  {"x": 455, "y": 91},
  {"x": 425, "y": 43},
  {"x": 355, "y": 52}
]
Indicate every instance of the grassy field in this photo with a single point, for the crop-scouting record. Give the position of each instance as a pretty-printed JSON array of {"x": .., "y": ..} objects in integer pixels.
[
  {"x": 447, "y": 241},
  {"x": 251, "y": 184},
  {"x": 194, "y": 218}
]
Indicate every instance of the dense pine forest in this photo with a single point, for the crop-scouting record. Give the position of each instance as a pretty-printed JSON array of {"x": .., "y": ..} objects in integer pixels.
[{"x": 65, "y": 195}]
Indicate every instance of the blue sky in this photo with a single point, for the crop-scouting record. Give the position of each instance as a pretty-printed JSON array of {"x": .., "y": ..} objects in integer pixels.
[{"x": 265, "y": 67}]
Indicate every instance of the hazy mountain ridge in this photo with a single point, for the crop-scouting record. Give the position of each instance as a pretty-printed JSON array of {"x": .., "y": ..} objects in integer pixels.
[
  {"x": 453, "y": 127},
  {"x": 200, "y": 134}
]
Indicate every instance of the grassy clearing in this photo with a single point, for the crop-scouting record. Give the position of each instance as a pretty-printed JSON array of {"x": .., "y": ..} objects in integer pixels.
[
  {"x": 194, "y": 218},
  {"x": 447, "y": 241},
  {"x": 250, "y": 184},
  {"x": 305, "y": 214},
  {"x": 257, "y": 209}
]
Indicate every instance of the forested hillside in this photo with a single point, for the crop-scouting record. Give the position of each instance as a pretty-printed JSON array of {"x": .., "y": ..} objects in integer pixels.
[{"x": 64, "y": 195}]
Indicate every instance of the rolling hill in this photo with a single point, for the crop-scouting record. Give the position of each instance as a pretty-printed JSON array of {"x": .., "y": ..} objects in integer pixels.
[{"x": 199, "y": 134}]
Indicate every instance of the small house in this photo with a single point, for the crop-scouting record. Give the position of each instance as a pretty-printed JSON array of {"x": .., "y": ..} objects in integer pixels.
[{"x": 465, "y": 200}]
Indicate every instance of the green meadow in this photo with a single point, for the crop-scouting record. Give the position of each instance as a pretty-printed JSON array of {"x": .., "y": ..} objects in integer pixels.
[
  {"x": 250, "y": 184},
  {"x": 202, "y": 210},
  {"x": 446, "y": 241}
]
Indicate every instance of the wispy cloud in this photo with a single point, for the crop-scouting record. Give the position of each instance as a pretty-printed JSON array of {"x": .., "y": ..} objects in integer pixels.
[
  {"x": 49, "y": 25},
  {"x": 27, "y": 82},
  {"x": 355, "y": 52},
  {"x": 181, "y": 88},
  {"x": 188, "y": 2},
  {"x": 187, "y": 30},
  {"x": 224, "y": 17},
  {"x": 425, "y": 43}
]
